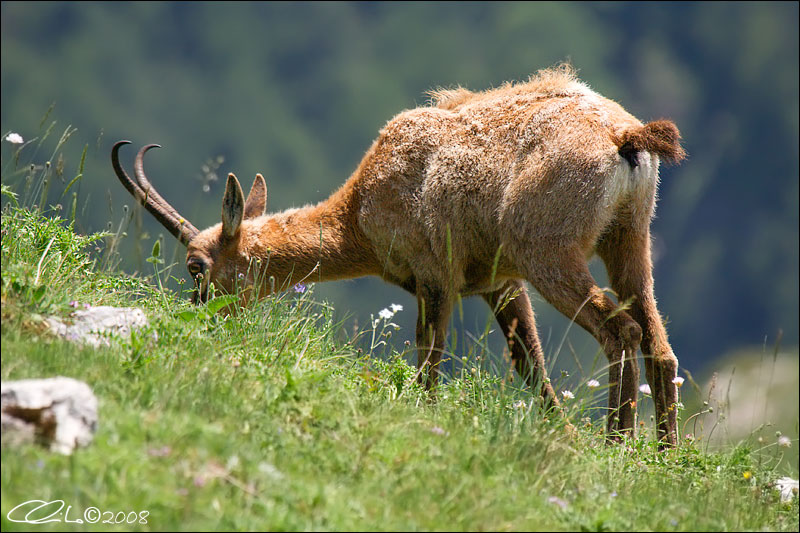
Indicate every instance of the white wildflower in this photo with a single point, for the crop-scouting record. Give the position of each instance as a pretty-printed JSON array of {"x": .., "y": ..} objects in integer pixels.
[
  {"x": 385, "y": 314},
  {"x": 678, "y": 381},
  {"x": 784, "y": 441},
  {"x": 788, "y": 488},
  {"x": 270, "y": 470},
  {"x": 14, "y": 138},
  {"x": 645, "y": 389},
  {"x": 567, "y": 394},
  {"x": 396, "y": 308},
  {"x": 592, "y": 383}
]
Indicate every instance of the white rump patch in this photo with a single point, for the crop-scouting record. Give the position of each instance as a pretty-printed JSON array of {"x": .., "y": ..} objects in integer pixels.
[{"x": 633, "y": 185}]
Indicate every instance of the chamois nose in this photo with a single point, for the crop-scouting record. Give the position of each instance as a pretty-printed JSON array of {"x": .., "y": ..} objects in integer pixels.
[
  {"x": 200, "y": 292},
  {"x": 199, "y": 296}
]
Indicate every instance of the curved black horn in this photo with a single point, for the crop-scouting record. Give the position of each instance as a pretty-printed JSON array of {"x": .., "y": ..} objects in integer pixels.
[{"x": 145, "y": 194}]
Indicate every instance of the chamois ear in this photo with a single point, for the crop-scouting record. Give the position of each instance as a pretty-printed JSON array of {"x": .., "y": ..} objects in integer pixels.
[
  {"x": 256, "y": 204},
  {"x": 232, "y": 208}
]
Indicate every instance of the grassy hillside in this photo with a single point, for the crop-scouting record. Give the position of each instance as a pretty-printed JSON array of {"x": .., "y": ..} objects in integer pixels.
[
  {"x": 273, "y": 419},
  {"x": 299, "y": 91}
]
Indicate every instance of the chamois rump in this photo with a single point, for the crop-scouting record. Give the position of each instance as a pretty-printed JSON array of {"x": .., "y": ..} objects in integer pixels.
[{"x": 473, "y": 195}]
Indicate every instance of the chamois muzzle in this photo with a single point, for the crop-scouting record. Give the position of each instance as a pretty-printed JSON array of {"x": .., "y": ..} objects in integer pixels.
[
  {"x": 200, "y": 292},
  {"x": 198, "y": 270}
]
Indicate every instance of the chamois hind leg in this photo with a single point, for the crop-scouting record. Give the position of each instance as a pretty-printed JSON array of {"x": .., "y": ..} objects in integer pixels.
[
  {"x": 626, "y": 254},
  {"x": 564, "y": 280},
  {"x": 434, "y": 307},
  {"x": 517, "y": 321}
]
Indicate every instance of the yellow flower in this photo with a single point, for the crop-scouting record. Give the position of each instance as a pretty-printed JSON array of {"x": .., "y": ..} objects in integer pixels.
[{"x": 747, "y": 474}]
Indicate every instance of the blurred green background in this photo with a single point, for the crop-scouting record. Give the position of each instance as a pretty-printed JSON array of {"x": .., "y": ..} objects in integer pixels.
[{"x": 298, "y": 91}]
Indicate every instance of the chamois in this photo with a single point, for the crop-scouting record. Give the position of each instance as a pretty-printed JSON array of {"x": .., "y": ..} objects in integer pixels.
[{"x": 473, "y": 195}]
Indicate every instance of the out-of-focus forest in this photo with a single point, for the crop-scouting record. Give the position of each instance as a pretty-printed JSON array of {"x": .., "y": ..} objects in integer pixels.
[{"x": 298, "y": 91}]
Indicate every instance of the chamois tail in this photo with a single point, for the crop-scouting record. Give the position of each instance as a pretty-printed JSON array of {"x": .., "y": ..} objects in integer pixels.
[{"x": 660, "y": 137}]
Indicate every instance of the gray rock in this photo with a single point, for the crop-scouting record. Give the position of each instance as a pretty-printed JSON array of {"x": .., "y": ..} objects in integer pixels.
[
  {"x": 94, "y": 325},
  {"x": 60, "y": 412}
]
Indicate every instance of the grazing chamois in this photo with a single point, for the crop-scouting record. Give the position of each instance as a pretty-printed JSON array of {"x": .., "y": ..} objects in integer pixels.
[{"x": 475, "y": 194}]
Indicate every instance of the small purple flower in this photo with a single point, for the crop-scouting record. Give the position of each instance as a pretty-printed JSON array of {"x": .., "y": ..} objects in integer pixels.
[
  {"x": 164, "y": 451},
  {"x": 438, "y": 431},
  {"x": 557, "y": 501},
  {"x": 73, "y": 304},
  {"x": 300, "y": 288},
  {"x": 87, "y": 306}
]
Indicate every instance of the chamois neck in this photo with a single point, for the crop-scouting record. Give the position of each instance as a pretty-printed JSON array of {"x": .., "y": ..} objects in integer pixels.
[{"x": 313, "y": 243}]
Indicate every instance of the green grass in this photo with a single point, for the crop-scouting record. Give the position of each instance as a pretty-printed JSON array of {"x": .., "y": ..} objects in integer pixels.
[{"x": 270, "y": 419}]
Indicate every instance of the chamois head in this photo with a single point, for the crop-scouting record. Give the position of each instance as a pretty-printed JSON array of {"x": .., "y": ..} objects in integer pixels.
[{"x": 213, "y": 254}]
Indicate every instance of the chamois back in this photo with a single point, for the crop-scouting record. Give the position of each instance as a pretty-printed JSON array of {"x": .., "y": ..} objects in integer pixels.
[{"x": 557, "y": 81}]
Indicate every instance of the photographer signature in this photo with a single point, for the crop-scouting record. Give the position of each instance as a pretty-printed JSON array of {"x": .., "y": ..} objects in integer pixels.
[{"x": 42, "y": 512}]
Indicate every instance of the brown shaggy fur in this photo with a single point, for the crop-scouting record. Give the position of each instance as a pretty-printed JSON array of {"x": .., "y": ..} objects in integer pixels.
[
  {"x": 660, "y": 137},
  {"x": 476, "y": 194}
]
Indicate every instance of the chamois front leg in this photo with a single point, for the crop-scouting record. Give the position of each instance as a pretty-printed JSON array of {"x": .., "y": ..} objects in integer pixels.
[
  {"x": 434, "y": 307},
  {"x": 626, "y": 254},
  {"x": 518, "y": 323},
  {"x": 564, "y": 280}
]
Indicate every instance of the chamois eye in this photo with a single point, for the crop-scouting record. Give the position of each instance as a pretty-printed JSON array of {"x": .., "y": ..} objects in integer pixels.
[{"x": 195, "y": 267}]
